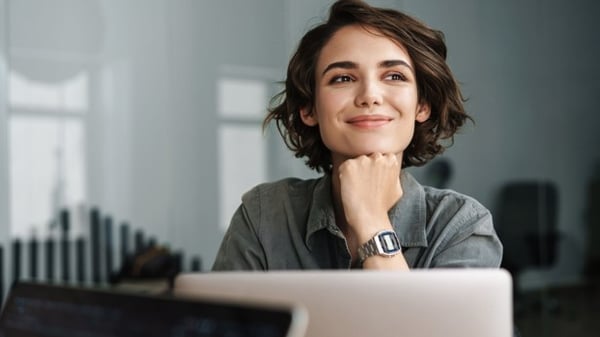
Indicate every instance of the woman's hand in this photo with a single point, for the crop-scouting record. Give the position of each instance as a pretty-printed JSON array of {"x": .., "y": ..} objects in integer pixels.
[{"x": 369, "y": 187}]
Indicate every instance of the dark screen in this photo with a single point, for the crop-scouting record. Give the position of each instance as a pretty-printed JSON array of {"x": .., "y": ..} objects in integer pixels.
[{"x": 47, "y": 310}]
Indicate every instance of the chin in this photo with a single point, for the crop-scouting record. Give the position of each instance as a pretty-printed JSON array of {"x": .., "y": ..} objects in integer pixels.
[{"x": 367, "y": 152}]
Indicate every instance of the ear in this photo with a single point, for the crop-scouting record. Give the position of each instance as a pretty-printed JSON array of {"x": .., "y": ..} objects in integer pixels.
[
  {"x": 423, "y": 112},
  {"x": 308, "y": 116}
]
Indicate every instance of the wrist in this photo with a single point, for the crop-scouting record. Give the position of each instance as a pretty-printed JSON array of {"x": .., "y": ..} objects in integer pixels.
[
  {"x": 384, "y": 243},
  {"x": 364, "y": 227}
]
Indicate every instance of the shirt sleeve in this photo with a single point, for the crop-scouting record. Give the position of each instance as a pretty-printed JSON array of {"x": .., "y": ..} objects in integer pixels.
[
  {"x": 470, "y": 241},
  {"x": 241, "y": 248}
]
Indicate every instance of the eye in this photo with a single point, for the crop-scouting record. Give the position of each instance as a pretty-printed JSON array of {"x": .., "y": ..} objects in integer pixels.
[
  {"x": 341, "y": 79},
  {"x": 396, "y": 77}
]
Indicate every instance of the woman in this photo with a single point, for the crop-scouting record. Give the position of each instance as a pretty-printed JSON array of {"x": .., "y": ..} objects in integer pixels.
[{"x": 368, "y": 93}]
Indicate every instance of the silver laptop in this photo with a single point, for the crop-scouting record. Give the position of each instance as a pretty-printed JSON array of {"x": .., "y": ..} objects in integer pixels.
[
  {"x": 63, "y": 311},
  {"x": 419, "y": 303}
]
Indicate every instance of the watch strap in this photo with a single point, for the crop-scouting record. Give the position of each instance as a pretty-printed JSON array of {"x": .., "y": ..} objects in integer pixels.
[{"x": 384, "y": 243}]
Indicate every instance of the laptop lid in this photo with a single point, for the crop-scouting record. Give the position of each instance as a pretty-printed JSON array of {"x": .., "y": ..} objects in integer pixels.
[
  {"x": 420, "y": 303},
  {"x": 50, "y": 310}
]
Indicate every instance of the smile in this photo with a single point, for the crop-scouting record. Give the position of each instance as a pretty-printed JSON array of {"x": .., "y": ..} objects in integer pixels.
[{"x": 369, "y": 121}]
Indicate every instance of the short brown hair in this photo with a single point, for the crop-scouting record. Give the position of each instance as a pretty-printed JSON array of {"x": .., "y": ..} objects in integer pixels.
[{"x": 435, "y": 83}]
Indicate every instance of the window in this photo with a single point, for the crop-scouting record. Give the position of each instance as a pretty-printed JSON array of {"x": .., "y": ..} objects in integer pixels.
[
  {"x": 47, "y": 140},
  {"x": 243, "y": 94}
]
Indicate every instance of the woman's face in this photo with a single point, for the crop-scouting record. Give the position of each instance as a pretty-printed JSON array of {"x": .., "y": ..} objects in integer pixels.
[{"x": 365, "y": 95}]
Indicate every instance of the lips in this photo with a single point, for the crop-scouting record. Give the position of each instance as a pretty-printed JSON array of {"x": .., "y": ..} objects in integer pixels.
[{"x": 369, "y": 121}]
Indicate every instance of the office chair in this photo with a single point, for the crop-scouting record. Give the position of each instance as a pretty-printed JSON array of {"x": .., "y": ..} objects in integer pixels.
[
  {"x": 526, "y": 222},
  {"x": 592, "y": 263}
]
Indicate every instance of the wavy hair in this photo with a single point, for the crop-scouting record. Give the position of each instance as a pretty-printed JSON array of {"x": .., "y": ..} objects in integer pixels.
[{"x": 435, "y": 84}]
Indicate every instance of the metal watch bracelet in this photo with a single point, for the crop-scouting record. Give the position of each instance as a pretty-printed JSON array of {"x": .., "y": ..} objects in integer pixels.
[{"x": 384, "y": 243}]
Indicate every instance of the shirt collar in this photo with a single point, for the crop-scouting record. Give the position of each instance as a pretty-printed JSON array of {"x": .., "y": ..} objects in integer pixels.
[{"x": 408, "y": 215}]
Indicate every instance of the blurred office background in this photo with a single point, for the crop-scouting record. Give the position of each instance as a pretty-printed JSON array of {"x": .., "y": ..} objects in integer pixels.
[{"x": 151, "y": 111}]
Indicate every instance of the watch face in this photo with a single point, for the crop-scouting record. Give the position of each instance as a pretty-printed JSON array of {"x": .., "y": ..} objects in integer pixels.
[{"x": 389, "y": 242}]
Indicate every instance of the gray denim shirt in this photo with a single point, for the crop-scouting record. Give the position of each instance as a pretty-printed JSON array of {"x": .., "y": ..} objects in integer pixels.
[{"x": 290, "y": 224}]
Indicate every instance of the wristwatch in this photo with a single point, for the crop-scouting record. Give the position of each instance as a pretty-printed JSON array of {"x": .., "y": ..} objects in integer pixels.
[{"x": 384, "y": 243}]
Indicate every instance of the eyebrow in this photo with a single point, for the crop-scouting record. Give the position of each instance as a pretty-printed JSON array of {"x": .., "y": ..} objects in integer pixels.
[{"x": 353, "y": 65}]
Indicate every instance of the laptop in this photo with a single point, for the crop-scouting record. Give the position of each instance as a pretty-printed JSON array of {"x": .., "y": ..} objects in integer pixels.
[
  {"x": 419, "y": 303},
  {"x": 50, "y": 310}
]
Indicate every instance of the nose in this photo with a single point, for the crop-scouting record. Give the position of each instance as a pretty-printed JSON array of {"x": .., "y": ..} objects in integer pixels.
[{"x": 368, "y": 95}]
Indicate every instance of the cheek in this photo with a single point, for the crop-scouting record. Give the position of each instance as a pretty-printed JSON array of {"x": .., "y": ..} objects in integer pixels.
[
  {"x": 406, "y": 104},
  {"x": 328, "y": 102}
]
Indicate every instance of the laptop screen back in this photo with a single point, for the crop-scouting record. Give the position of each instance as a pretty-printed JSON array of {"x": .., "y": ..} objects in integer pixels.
[
  {"x": 419, "y": 303},
  {"x": 47, "y": 310}
]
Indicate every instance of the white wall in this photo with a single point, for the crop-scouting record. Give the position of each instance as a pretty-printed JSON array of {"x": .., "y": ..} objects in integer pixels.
[
  {"x": 4, "y": 192},
  {"x": 171, "y": 73},
  {"x": 135, "y": 161},
  {"x": 152, "y": 149}
]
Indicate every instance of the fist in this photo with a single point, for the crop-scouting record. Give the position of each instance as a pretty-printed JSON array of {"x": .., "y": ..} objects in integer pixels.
[{"x": 369, "y": 187}]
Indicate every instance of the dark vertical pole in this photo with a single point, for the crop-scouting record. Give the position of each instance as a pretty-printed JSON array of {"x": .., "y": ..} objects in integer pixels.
[
  {"x": 80, "y": 256},
  {"x": 1, "y": 276},
  {"x": 33, "y": 258},
  {"x": 108, "y": 247},
  {"x": 152, "y": 242},
  {"x": 124, "y": 242},
  {"x": 139, "y": 241},
  {"x": 65, "y": 252},
  {"x": 196, "y": 264},
  {"x": 95, "y": 245},
  {"x": 177, "y": 259},
  {"x": 180, "y": 258},
  {"x": 16, "y": 253},
  {"x": 49, "y": 259}
]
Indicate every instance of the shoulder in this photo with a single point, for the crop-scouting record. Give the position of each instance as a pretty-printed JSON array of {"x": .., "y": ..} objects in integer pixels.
[
  {"x": 451, "y": 200},
  {"x": 462, "y": 230},
  {"x": 457, "y": 210},
  {"x": 272, "y": 197},
  {"x": 276, "y": 190}
]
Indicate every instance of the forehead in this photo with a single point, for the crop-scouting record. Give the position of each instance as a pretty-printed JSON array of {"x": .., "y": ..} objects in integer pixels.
[{"x": 361, "y": 45}]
